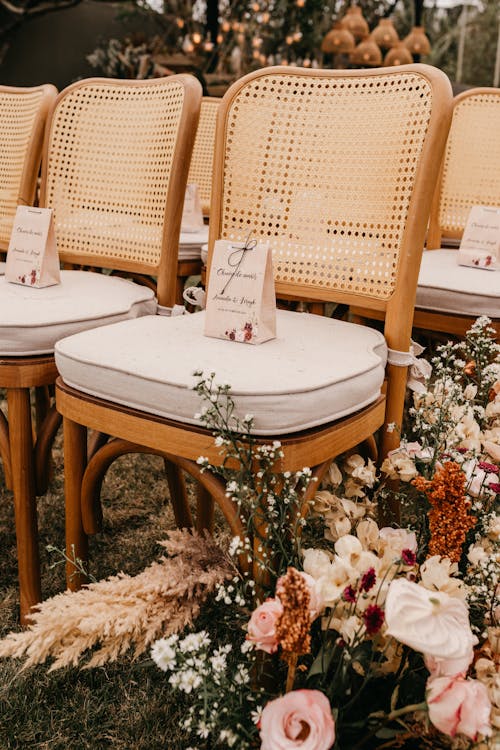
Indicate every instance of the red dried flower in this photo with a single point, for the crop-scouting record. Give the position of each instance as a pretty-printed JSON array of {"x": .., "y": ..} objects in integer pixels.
[
  {"x": 349, "y": 594},
  {"x": 487, "y": 467},
  {"x": 494, "y": 487},
  {"x": 368, "y": 580},
  {"x": 373, "y": 617},
  {"x": 408, "y": 557}
]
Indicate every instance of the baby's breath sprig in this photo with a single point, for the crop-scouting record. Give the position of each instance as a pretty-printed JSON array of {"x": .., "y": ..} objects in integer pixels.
[{"x": 269, "y": 500}]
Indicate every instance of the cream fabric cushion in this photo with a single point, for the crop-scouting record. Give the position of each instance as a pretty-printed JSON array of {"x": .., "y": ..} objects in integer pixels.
[
  {"x": 315, "y": 371},
  {"x": 190, "y": 244},
  {"x": 444, "y": 286},
  {"x": 2, "y": 268},
  {"x": 32, "y": 320}
]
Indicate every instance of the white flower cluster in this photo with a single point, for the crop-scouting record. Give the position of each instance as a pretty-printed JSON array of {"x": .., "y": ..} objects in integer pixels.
[{"x": 203, "y": 672}]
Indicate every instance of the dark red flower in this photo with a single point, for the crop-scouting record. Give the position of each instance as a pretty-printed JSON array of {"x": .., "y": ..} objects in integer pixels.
[
  {"x": 368, "y": 580},
  {"x": 348, "y": 594},
  {"x": 494, "y": 487},
  {"x": 462, "y": 450},
  {"x": 408, "y": 557},
  {"x": 373, "y": 618},
  {"x": 488, "y": 468}
]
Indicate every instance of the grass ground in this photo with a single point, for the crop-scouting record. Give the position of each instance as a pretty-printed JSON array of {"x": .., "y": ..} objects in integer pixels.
[{"x": 124, "y": 706}]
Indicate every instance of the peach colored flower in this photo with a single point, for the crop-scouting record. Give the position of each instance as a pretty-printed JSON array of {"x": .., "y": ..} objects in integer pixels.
[
  {"x": 262, "y": 625},
  {"x": 299, "y": 720},
  {"x": 459, "y": 706}
]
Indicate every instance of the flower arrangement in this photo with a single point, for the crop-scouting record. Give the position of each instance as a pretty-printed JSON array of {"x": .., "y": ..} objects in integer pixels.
[{"x": 369, "y": 635}]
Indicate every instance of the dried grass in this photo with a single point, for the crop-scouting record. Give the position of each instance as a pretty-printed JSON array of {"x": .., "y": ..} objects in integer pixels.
[{"x": 123, "y": 611}]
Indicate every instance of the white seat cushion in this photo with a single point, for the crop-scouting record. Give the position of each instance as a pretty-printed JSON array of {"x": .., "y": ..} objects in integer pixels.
[
  {"x": 2, "y": 268},
  {"x": 444, "y": 286},
  {"x": 315, "y": 371},
  {"x": 32, "y": 320},
  {"x": 190, "y": 243}
]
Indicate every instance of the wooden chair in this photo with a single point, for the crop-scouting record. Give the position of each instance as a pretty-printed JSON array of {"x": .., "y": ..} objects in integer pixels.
[
  {"x": 336, "y": 169},
  {"x": 200, "y": 172},
  {"x": 449, "y": 296},
  {"x": 115, "y": 164},
  {"x": 23, "y": 112}
]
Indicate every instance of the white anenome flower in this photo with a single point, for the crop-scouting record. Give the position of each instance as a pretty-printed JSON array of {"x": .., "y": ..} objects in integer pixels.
[
  {"x": 163, "y": 654},
  {"x": 194, "y": 641},
  {"x": 189, "y": 680},
  {"x": 431, "y": 622}
]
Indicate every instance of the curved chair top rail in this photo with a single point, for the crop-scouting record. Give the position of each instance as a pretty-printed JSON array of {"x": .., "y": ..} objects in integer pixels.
[
  {"x": 470, "y": 172},
  {"x": 23, "y": 113},
  {"x": 116, "y": 160},
  {"x": 336, "y": 170},
  {"x": 200, "y": 171}
]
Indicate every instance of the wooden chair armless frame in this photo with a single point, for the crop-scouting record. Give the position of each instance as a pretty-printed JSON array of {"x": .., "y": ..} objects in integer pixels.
[
  {"x": 372, "y": 260},
  {"x": 92, "y": 202}
]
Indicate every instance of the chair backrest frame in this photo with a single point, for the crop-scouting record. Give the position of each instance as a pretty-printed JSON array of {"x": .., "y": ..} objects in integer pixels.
[
  {"x": 201, "y": 169},
  {"x": 457, "y": 189},
  {"x": 34, "y": 103},
  {"x": 160, "y": 170},
  {"x": 430, "y": 82}
]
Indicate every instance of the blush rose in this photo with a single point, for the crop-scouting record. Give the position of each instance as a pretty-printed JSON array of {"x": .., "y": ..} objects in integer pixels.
[
  {"x": 262, "y": 625},
  {"x": 299, "y": 720},
  {"x": 459, "y": 706}
]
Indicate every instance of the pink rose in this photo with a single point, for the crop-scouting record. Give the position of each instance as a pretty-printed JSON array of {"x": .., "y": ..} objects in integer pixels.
[
  {"x": 448, "y": 667},
  {"x": 459, "y": 706},
  {"x": 261, "y": 628},
  {"x": 300, "y": 719}
]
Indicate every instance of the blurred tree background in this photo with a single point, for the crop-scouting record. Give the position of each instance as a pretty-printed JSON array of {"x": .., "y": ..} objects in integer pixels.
[{"x": 224, "y": 38}]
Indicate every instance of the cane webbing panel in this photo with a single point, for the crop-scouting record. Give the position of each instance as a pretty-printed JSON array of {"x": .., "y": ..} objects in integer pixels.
[
  {"x": 200, "y": 170},
  {"x": 323, "y": 167},
  {"x": 108, "y": 167},
  {"x": 471, "y": 166},
  {"x": 18, "y": 115}
]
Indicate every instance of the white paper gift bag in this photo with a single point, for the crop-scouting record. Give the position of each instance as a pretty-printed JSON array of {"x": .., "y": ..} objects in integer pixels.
[
  {"x": 32, "y": 257},
  {"x": 241, "y": 302},
  {"x": 480, "y": 244},
  {"x": 192, "y": 214}
]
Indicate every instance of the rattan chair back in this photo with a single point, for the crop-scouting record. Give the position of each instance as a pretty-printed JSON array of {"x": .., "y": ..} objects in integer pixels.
[
  {"x": 470, "y": 173},
  {"x": 23, "y": 112},
  {"x": 200, "y": 171},
  {"x": 116, "y": 160},
  {"x": 333, "y": 169}
]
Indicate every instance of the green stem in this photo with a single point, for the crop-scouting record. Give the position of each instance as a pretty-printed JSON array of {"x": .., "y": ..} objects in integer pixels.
[{"x": 388, "y": 718}]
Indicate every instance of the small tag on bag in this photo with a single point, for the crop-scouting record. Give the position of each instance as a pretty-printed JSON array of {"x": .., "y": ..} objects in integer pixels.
[
  {"x": 32, "y": 258},
  {"x": 241, "y": 302},
  {"x": 480, "y": 245},
  {"x": 192, "y": 215}
]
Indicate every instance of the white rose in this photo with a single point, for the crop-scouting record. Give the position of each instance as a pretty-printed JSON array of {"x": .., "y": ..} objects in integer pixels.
[
  {"x": 316, "y": 562},
  {"x": 348, "y": 548},
  {"x": 428, "y": 621}
]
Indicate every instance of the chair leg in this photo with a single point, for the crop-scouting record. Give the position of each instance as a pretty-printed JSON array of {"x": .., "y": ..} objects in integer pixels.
[
  {"x": 204, "y": 510},
  {"x": 23, "y": 483},
  {"x": 178, "y": 495},
  {"x": 75, "y": 459},
  {"x": 5, "y": 450}
]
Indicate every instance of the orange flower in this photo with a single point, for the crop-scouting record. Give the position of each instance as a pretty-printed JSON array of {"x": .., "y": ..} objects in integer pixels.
[{"x": 449, "y": 519}]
